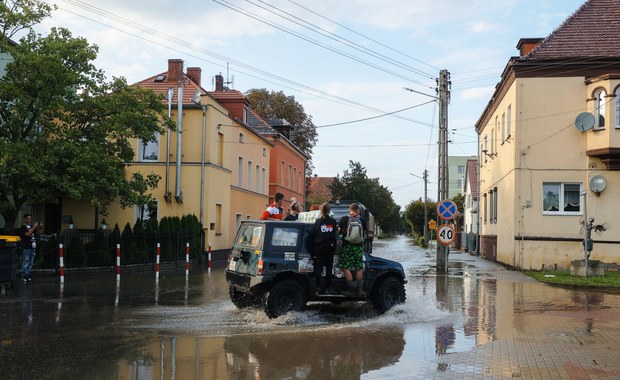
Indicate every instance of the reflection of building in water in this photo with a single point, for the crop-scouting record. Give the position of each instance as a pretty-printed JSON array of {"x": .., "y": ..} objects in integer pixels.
[{"x": 178, "y": 358}]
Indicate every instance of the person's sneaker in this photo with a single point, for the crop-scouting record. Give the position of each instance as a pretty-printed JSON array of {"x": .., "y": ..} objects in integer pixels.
[
  {"x": 29, "y": 279},
  {"x": 25, "y": 280}
]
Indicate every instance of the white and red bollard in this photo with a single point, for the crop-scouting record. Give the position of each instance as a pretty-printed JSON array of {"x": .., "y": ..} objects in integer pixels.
[
  {"x": 118, "y": 262},
  {"x": 61, "y": 263},
  {"x": 157, "y": 256},
  {"x": 209, "y": 259},
  {"x": 186, "y": 259}
]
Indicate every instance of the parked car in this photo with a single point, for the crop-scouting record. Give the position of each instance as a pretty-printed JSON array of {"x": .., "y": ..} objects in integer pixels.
[{"x": 269, "y": 266}]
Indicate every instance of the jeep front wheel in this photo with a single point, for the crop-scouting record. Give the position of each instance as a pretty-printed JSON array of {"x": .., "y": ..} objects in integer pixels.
[
  {"x": 389, "y": 293},
  {"x": 285, "y": 296}
]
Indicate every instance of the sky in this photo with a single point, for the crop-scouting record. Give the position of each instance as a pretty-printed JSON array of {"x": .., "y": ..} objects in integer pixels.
[{"x": 347, "y": 62}]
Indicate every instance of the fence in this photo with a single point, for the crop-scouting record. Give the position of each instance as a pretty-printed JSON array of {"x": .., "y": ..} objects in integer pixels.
[{"x": 95, "y": 248}]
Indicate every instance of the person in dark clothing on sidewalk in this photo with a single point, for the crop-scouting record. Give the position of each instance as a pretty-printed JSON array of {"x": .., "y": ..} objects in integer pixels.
[
  {"x": 322, "y": 243},
  {"x": 28, "y": 243}
]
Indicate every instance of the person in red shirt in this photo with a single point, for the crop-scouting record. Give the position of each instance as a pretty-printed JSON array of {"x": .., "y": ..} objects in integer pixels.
[{"x": 274, "y": 211}]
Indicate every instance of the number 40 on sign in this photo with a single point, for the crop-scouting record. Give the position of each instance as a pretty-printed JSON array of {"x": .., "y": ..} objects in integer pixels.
[{"x": 445, "y": 234}]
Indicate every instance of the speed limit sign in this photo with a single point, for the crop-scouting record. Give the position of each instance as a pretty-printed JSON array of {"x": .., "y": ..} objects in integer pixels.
[{"x": 445, "y": 234}]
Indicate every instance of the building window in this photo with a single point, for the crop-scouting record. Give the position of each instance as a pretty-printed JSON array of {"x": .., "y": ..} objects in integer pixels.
[
  {"x": 218, "y": 219},
  {"x": 257, "y": 179},
  {"x": 249, "y": 175},
  {"x": 238, "y": 218},
  {"x": 240, "y": 177},
  {"x": 503, "y": 127},
  {"x": 245, "y": 115},
  {"x": 599, "y": 109},
  {"x": 282, "y": 173},
  {"x": 264, "y": 152},
  {"x": 484, "y": 200},
  {"x": 149, "y": 150},
  {"x": 146, "y": 212},
  {"x": 241, "y": 137},
  {"x": 509, "y": 122},
  {"x": 263, "y": 181},
  {"x": 290, "y": 176},
  {"x": 461, "y": 169},
  {"x": 561, "y": 198},
  {"x": 459, "y": 184},
  {"x": 220, "y": 149},
  {"x": 494, "y": 206}
]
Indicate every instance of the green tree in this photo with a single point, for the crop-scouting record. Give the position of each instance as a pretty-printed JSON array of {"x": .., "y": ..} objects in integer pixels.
[
  {"x": 271, "y": 104},
  {"x": 355, "y": 185},
  {"x": 414, "y": 215},
  {"x": 66, "y": 131},
  {"x": 17, "y": 15}
]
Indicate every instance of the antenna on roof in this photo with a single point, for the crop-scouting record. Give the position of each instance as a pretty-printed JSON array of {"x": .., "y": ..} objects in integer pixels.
[{"x": 228, "y": 80}]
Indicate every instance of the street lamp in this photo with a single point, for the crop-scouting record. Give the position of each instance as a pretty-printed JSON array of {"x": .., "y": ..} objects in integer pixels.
[{"x": 425, "y": 178}]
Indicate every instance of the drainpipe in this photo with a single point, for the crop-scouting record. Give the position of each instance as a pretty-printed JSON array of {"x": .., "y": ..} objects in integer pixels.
[
  {"x": 177, "y": 190},
  {"x": 167, "y": 190},
  {"x": 202, "y": 163}
]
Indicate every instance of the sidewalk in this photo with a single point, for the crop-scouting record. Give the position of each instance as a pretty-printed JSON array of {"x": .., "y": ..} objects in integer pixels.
[{"x": 533, "y": 330}]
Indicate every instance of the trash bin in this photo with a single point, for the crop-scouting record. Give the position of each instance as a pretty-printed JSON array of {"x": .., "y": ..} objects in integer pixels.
[{"x": 8, "y": 258}]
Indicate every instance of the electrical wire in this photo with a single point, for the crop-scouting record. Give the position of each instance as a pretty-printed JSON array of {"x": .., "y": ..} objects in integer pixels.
[{"x": 373, "y": 117}]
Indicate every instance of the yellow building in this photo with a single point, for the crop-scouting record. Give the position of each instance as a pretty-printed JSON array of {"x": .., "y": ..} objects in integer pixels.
[
  {"x": 550, "y": 146},
  {"x": 198, "y": 164}
]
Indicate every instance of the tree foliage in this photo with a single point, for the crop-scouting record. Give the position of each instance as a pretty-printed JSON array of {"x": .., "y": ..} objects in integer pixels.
[
  {"x": 414, "y": 215},
  {"x": 355, "y": 185},
  {"x": 271, "y": 104},
  {"x": 17, "y": 15},
  {"x": 66, "y": 131}
]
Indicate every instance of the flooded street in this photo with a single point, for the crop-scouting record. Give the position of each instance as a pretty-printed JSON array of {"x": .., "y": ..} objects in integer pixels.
[{"x": 480, "y": 321}]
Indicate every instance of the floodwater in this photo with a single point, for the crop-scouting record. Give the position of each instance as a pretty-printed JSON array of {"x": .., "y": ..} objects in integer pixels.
[{"x": 186, "y": 328}]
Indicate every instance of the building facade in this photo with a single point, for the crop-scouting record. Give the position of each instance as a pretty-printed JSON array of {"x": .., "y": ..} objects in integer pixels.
[{"x": 548, "y": 136}]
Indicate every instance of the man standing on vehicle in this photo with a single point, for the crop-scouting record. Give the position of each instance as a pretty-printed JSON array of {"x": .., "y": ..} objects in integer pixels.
[
  {"x": 274, "y": 211},
  {"x": 353, "y": 228}
]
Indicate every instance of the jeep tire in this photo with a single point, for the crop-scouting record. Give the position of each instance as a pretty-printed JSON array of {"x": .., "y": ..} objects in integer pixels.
[
  {"x": 285, "y": 296},
  {"x": 389, "y": 293}
]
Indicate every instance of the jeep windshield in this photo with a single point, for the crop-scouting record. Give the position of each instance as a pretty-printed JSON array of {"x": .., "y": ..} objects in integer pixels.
[{"x": 250, "y": 235}]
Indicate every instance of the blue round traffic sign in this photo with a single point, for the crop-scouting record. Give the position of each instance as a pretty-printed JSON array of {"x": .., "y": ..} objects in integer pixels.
[{"x": 447, "y": 209}]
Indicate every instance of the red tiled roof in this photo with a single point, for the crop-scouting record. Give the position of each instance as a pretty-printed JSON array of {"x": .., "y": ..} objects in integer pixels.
[
  {"x": 472, "y": 177},
  {"x": 592, "y": 31},
  {"x": 161, "y": 87},
  {"x": 228, "y": 95}
]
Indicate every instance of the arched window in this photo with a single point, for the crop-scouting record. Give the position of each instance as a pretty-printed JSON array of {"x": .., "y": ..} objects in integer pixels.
[{"x": 599, "y": 109}]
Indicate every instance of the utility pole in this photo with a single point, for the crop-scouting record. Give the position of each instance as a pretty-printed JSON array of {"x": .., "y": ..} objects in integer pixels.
[{"x": 443, "y": 89}]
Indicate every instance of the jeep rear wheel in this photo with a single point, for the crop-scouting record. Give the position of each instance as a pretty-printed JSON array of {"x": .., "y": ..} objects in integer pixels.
[
  {"x": 243, "y": 300},
  {"x": 389, "y": 293},
  {"x": 285, "y": 296}
]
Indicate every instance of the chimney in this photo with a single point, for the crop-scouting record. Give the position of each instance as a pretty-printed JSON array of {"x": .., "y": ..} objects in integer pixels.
[
  {"x": 219, "y": 82},
  {"x": 526, "y": 45},
  {"x": 194, "y": 74},
  {"x": 175, "y": 70}
]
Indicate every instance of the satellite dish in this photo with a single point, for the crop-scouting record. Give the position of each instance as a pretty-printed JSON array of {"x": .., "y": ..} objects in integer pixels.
[
  {"x": 598, "y": 183},
  {"x": 584, "y": 121}
]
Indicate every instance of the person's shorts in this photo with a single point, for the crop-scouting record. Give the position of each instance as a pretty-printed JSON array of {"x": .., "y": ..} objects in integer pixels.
[{"x": 351, "y": 257}]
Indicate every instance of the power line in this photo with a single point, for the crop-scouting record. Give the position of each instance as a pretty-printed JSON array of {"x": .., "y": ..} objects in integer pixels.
[
  {"x": 342, "y": 40},
  {"x": 178, "y": 42},
  {"x": 313, "y": 41},
  {"x": 362, "y": 35},
  {"x": 373, "y": 117}
]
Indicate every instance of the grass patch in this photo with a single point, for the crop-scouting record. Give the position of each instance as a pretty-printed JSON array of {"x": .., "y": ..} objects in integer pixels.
[{"x": 609, "y": 280}]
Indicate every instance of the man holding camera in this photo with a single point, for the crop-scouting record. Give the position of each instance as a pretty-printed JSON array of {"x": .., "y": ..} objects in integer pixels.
[{"x": 28, "y": 242}]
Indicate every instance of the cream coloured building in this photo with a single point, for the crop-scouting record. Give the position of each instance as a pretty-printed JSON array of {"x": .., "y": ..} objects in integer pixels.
[{"x": 541, "y": 172}]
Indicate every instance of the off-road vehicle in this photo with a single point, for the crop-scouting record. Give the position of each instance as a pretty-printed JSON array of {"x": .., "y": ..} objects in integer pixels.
[{"x": 269, "y": 266}]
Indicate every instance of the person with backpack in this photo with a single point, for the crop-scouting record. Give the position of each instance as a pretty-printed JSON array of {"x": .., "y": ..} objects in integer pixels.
[
  {"x": 352, "y": 227},
  {"x": 322, "y": 244}
]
